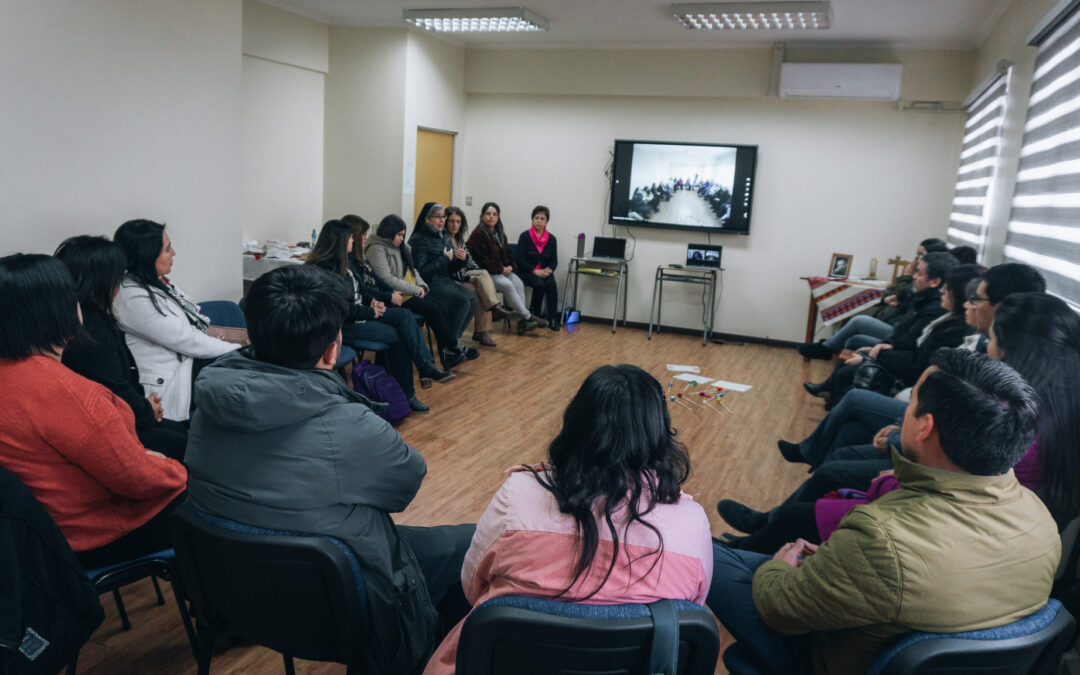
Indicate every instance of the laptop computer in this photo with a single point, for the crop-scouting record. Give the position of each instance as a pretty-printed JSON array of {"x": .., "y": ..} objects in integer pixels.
[
  {"x": 704, "y": 256},
  {"x": 608, "y": 249}
]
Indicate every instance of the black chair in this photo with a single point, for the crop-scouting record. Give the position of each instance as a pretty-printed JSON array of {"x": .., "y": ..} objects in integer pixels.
[
  {"x": 536, "y": 636},
  {"x": 1033, "y": 644},
  {"x": 300, "y": 595}
]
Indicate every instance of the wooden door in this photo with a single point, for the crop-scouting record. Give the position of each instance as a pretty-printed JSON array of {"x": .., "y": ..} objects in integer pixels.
[{"x": 434, "y": 168}]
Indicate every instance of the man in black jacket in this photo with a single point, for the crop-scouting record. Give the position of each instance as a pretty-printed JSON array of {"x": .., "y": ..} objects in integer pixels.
[{"x": 278, "y": 441}]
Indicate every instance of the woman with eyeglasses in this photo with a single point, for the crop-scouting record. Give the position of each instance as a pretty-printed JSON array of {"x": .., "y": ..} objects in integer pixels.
[{"x": 163, "y": 326}]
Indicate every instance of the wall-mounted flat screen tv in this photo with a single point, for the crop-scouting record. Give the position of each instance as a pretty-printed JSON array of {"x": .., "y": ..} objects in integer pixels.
[{"x": 687, "y": 186}]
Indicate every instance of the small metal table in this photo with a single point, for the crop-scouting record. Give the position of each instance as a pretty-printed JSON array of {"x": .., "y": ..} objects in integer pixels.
[
  {"x": 687, "y": 275},
  {"x": 610, "y": 268}
]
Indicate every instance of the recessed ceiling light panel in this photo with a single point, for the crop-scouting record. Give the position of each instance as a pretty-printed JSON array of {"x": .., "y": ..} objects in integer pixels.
[
  {"x": 753, "y": 15},
  {"x": 485, "y": 20}
]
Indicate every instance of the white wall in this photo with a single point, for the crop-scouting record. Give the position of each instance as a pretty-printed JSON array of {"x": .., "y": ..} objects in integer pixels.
[
  {"x": 119, "y": 109},
  {"x": 833, "y": 176},
  {"x": 284, "y": 75}
]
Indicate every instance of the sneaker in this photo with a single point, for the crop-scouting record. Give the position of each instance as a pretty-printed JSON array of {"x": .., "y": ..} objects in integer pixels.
[
  {"x": 741, "y": 517},
  {"x": 470, "y": 353},
  {"x": 526, "y": 325},
  {"x": 429, "y": 372},
  {"x": 417, "y": 406},
  {"x": 816, "y": 350},
  {"x": 791, "y": 452},
  {"x": 450, "y": 358}
]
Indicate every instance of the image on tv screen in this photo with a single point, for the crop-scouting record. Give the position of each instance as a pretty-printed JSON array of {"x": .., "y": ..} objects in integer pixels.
[{"x": 686, "y": 186}]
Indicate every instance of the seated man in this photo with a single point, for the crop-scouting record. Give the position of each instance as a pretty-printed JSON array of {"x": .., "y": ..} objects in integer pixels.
[
  {"x": 919, "y": 558},
  {"x": 279, "y": 442}
]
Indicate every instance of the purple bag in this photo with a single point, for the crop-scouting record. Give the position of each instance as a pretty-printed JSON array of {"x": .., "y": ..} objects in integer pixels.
[{"x": 375, "y": 384}]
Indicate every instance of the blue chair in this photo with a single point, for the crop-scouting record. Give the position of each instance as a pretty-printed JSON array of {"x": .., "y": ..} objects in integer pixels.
[
  {"x": 224, "y": 313},
  {"x": 534, "y": 636},
  {"x": 1034, "y": 644}
]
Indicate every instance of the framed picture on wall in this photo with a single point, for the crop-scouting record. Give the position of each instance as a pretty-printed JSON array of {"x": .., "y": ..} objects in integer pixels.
[{"x": 840, "y": 266}]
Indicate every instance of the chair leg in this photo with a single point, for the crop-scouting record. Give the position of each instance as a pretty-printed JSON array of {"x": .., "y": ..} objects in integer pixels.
[
  {"x": 157, "y": 589},
  {"x": 206, "y": 648},
  {"x": 124, "y": 623},
  {"x": 185, "y": 617},
  {"x": 289, "y": 670}
]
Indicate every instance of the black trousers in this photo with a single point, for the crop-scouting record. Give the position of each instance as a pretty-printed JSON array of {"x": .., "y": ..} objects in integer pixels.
[
  {"x": 153, "y": 535},
  {"x": 786, "y": 524},
  {"x": 434, "y": 317},
  {"x": 545, "y": 290},
  {"x": 168, "y": 437},
  {"x": 457, "y": 302},
  {"x": 441, "y": 551}
]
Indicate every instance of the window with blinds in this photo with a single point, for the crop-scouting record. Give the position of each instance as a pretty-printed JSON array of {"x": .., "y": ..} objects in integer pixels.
[
  {"x": 1044, "y": 227},
  {"x": 979, "y": 156}
]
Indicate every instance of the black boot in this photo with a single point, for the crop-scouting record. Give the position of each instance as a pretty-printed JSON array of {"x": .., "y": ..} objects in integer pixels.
[
  {"x": 741, "y": 517},
  {"x": 816, "y": 350}
]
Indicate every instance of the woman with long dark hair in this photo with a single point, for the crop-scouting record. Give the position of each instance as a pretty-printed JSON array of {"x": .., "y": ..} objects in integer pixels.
[
  {"x": 473, "y": 276},
  {"x": 97, "y": 268},
  {"x": 163, "y": 326},
  {"x": 369, "y": 317},
  {"x": 69, "y": 439},
  {"x": 604, "y": 521},
  {"x": 491, "y": 250},
  {"x": 391, "y": 258}
]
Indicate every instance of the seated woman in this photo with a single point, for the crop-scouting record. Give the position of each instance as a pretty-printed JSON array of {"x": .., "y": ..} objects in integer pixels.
[
  {"x": 605, "y": 522},
  {"x": 71, "y": 440},
  {"x": 439, "y": 262},
  {"x": 1039, "y": 336},
  {"x": 457, "y": 229},
  {"x": 537, "y": 258},
  {"x": 904, "y": 361},
  {"x": 392, "y": 260},
  {"x": 491, "y": 251},
  {"x": 369, "y": 318},
  {"x": 97, "y": 267},
  {"x": 163, "y": 327}
]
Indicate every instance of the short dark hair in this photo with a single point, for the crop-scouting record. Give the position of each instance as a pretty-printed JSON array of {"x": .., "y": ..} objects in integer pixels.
[
  {"x": 934, "y": 245},
  {"x": 1007, "y": 278},
  {"x": 141, "y": 241},
  {"x": 38, "y": 304},
  {"x": 541, "y": 209},
  {"x": 938, "y": 265},
  {"x": 984, "y": 411},
  {"x": 97, "y": 266},
  {"x": 965, "y": 255},
  {"x": 957, "y": 281},
  {"x": 294, "y": 313}
]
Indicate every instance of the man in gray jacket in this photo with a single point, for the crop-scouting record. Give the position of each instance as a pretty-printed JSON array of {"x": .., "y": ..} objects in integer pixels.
[{"x": 278, "y": 441}]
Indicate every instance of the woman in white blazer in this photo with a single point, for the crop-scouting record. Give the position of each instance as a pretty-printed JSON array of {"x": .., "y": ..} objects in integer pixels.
[{"x": 162, "y": 325}]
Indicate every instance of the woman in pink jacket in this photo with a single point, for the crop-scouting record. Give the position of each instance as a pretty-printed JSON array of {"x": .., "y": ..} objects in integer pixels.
[{"x": 605, "y": 522}]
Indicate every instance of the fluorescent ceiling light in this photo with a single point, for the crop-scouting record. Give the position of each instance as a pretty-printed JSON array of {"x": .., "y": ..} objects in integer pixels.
[
  {"x": 487, "y": 20},
  {"x": 753, "y": 15}
]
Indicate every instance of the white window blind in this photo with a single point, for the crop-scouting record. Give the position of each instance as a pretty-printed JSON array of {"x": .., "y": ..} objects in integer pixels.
[
  {"x": 979, "y": 156},
  {"x": 1044, "y": 227}
]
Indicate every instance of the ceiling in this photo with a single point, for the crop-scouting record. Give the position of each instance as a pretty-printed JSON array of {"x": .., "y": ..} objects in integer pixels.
[{"x": 600, "y": 24}]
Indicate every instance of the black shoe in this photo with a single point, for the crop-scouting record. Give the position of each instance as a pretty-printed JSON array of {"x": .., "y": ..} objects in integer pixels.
[
  {"x": 820, "y": 390},
  {"x": 428, "y": 371},
  {"x": 791, "y": 452},
  {"x": 450, "y": 358},
  {"x": 816, "y": 350},
  {"x": 741, "y": 517},
  {"x": 417, "y": 406},
  {"x": 470, "y": 353},
  {"x": 526, "y": 325},
  {"x": 498, "y": 313},
  {"x": 554, "y": 325}
]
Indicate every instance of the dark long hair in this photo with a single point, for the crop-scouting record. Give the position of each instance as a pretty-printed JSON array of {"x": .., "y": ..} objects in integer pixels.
[
  {"x": 463, "y": 233},
  {"x": 956, "y": 283},
  {"x": 141, "y": 242},
  {"x": 331, "y": 248},
  {"x": 388, "y": 228},
  {"x": 360, "y": 227},
  {"x": 1039, "y": 336},
  {"x": 97, "y": 267},
  {"x": 498, "y": 224},
  {"x": 39, "y": 306},
  {"x": 616, "y": 447}
]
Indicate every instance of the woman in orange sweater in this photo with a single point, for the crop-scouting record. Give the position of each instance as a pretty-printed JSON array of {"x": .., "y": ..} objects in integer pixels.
[{"x": 71, "y": 440}]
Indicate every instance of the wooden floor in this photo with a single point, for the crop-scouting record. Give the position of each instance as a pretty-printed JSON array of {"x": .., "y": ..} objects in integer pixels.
[{"x": 502, "y": 410}]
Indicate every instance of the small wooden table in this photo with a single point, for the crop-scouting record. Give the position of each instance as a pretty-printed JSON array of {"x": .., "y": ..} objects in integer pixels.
[{"x": 838, "y": 299}]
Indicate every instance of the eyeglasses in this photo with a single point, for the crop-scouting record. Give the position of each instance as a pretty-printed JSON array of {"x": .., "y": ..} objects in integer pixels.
[{"x": 975, "y": 299}]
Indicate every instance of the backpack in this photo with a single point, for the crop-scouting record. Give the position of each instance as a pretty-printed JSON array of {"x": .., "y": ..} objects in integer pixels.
[{"x": 373, "y": 382}]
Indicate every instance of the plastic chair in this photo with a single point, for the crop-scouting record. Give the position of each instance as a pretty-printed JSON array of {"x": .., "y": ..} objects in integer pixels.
[
  {"x": 224, "y": 313},
  {"x": 1033, "y": 644},
  {"x": 534, "y": 636},
  {"x": 301, "y": 595}
]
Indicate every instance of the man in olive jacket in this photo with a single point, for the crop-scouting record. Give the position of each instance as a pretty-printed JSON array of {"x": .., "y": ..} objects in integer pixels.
[
  {"x": 279, "y": 442},
  {"x": 959, "y": 546}
]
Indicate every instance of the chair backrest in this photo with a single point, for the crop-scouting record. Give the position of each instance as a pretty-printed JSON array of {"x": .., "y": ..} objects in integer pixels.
[
  {"x": 296, "y": 594},
  {"x": 533, "y": 636},
  {"x": 1033, "y": 644},
  {"x": 223, "y": 313}
]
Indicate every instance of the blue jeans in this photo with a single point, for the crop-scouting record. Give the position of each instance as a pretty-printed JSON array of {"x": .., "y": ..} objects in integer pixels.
[
  {"x": 862, "y": 324},
  {"x": 757, "y": 648},
  {"x": 856, "y": 418}
]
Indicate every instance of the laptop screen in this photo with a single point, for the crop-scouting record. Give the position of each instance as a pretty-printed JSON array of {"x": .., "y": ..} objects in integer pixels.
[
  {"x": 609, "y": 247},
  {"x": 703, "y": 255}
]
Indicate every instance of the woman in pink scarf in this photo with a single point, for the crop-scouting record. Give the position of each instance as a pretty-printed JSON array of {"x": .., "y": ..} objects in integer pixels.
[{"x": 537, "y": 257}]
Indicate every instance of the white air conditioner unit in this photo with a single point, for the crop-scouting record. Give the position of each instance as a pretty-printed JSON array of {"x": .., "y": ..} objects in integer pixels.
[{"x": 876, "y": 81}]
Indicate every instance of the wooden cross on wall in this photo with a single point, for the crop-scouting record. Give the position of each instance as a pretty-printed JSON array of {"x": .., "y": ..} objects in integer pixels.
[{"x": 898, "y": 264}]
